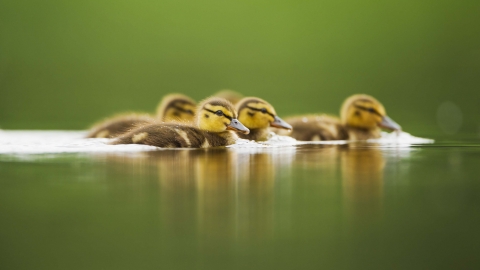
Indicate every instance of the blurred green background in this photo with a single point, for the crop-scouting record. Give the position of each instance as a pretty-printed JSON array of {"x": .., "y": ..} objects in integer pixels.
[{"x": 66, "y": 64}]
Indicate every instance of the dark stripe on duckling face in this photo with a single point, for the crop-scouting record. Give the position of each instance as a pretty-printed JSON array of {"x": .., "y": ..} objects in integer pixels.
[
  {"x": 219, "y": 113},
  {"x": 262, "y": 110},
  {"x": 178, "y": 104},
  {"x": 368, "y": 109},
  {"x": 183, "y": 110},
  {"x": 223, "y": 103}
]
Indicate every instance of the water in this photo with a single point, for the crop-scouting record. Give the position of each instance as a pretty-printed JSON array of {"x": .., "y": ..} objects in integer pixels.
[{"x": 376, "y": 205}]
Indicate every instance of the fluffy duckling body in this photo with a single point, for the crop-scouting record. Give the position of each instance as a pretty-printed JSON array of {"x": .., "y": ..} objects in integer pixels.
[
  {"x": 215, "y": 118},
  {"x": 172, "y": 108},
  {"x": 258, "y": 115},
  {"x": 361, "y": 118}
]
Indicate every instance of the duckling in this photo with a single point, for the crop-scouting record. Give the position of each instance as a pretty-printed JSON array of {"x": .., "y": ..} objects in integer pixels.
[
  {"x": 215, "y": 118},
  {"x": 361, "y": 118},
  {"x": 258, "y": 115},
  {"x": 176, "y": 108},
  {"x": 172, "y": 108},
  {"x": 230, "y": 95}
]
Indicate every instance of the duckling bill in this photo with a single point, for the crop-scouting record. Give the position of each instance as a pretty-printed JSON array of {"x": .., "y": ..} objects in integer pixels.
[
  {"x": 258, "y": 115},
  {"x": 361, "y": 118},
  {"x": 216, "y": 118}
]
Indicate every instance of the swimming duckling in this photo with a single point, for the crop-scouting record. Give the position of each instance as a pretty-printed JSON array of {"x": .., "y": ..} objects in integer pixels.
[
  {"x": 215, "y": 118},
  {"x": 361, "y": 118},
  {"x": 176, "y": 108},
  {"x": 258, "y": 115},
  {"x": 172, "y": 108}
]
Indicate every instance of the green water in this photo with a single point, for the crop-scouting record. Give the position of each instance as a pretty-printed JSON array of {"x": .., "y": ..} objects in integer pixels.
[{"x": 308, "y": 207}]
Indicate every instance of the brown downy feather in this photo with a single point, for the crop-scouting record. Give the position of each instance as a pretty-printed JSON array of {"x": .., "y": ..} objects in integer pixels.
[
  {"x": 316, "y": 128},
  {"x": 117, "y": 125}
]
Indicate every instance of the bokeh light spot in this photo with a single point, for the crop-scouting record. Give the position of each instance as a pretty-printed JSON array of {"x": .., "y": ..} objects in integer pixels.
[{"x": 449, "y": 117}]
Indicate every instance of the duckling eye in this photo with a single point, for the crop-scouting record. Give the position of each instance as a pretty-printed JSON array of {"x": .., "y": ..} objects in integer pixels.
[
  {"x": 263, "y": 110},
  {"x": 372, "y": 110},
  {"x": 219, "y": 113},
  {"x": 189, "y": 111}
]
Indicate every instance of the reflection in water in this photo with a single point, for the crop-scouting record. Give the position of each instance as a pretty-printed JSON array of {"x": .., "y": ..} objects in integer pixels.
[
  {"x": 233, "y": 193},
  {"x": 362, "y": 171},
  {"x": 236, "y": 192},
  {"x": 336, "y": 206},
  {"x": 361, "y": 168}
]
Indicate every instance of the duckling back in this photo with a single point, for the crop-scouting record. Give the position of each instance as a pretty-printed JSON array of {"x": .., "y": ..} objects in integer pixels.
[
  {"x": 316, "y": 128},
  {"x": 117, "y": 125}
]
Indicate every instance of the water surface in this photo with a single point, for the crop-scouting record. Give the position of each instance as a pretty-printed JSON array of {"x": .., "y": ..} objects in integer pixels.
[{"x": 361, "y": 205}]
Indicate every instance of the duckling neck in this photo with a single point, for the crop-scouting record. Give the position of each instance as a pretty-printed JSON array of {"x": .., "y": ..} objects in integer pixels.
[
  {"x": 361, "y": 134},
  {"x": 229, "y": 137},
  {"x": 258, "y": 134}
]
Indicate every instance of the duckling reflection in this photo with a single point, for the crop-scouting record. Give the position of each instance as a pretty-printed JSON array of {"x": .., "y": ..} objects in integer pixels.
[
  {"x": 236, "y": 200},
  {"x": 360, "y": 167},
  {"x": 177, "y": 176},
  {"x": 215, "y": 189},
  {"x": 362, "y": 170},
  {"x": 323, "y": 158},
  {"x": 260, "y": 180}
]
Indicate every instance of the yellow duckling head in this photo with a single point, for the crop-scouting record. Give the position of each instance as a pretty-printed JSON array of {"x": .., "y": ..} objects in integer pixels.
[
  {"x": 365, "y": 112},
  {"x": 256, "y": 113},
  {"x": 218, "y": 115},
  {"x": 176, "y": 108}
]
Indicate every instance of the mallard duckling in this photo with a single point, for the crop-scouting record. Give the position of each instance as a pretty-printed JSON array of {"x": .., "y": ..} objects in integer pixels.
[
  {"x": 215, "y": 118},
  {"x": 258, "y": 115},
  {"x": 230, "y": 95},
  {"x": 172, "y": 108},
  {"x": 176, "y": 108},
  {"x": 361, "y": 118}
]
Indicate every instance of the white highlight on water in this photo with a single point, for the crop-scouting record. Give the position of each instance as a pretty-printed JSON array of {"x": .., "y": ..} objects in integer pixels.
[
  {"x": 56, "y": 141},
  {"x": 49, "y": 142}
]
